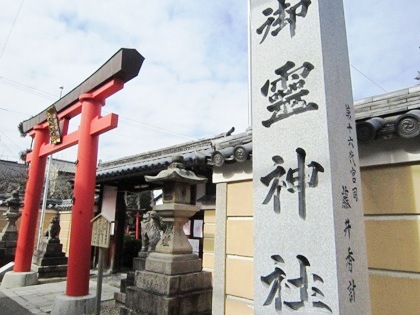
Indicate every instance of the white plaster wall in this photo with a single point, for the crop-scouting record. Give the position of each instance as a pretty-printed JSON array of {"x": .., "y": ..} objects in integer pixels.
[
  {"x": 232, "y": 172},
  {"x": 392, "y": 151}
]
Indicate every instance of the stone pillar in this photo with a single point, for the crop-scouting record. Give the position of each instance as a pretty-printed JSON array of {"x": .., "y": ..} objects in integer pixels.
[
  {"x": 309, "y": 237},
  {"x": 9, "y": 235},
  {"x": 173, "y": 281}
]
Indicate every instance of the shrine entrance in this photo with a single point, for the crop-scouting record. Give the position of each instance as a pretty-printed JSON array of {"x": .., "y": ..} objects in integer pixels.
[{"x": 49, "y": 131}]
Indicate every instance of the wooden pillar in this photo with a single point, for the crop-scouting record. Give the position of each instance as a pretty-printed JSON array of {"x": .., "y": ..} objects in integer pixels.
[
  {"x": 83, "y": 202},
  {"x": 119, "y": 235},
  {"x": 137, "y": 224},
  {"x": 33, "y": 192}
]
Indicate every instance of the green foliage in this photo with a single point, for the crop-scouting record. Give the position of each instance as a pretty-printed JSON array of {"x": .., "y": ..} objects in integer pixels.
[
  {"x": 11, "y": 179},
  {"x": 22, "y": 154},
  {"x": 60, "y": 188},
  {"x": 131, "y": 248},
  {"x": 140, "y": 200},
  {"x": 20, "y": 128}
]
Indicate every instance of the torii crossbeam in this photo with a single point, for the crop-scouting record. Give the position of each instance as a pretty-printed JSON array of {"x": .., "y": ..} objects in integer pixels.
[{"x": 87, "y": 100}]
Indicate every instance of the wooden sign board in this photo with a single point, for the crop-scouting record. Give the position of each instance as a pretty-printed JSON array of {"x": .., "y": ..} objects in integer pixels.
[
  {"x": 53, "y": 125},
  {"x": 101, "y": 231}
]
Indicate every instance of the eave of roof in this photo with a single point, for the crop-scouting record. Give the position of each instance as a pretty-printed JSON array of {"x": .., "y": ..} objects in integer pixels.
[
  {"x": 390, "y": 115},
  {"x": 377, "y": 117},
  {"x": 194, "y": 152}
]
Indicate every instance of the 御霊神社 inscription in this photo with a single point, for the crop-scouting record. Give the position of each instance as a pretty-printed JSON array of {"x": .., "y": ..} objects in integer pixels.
[
  {"x": 310, "y": 251},
  {"x": 306, "y": 284},
  {"x": 286, "y": 93},
  {"x": 295, "y": 181},
  {"x": 280, "y": 15}
]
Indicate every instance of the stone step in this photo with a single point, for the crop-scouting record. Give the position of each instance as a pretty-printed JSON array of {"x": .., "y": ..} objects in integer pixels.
[
  {"x": 50, "y": 271},
  {"x": 139, "y": 302},
  {"x": 129, "y": 281},
  {"x": 50, "y": 261},
  {"x": 120, "y": 297}
]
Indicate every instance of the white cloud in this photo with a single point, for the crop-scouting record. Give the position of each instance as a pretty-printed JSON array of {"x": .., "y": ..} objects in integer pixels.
[
  {"x": 193, "y": 82},
  {"x": 383, "y": 39}
]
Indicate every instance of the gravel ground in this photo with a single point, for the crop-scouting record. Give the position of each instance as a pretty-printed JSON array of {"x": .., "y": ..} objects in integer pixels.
[{"x": 110, "y": 307}]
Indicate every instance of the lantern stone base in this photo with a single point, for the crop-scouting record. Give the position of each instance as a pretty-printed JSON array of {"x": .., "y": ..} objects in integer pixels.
[
  {"x": 156, "y": 293},
  {"x": 173, "y": 264}
]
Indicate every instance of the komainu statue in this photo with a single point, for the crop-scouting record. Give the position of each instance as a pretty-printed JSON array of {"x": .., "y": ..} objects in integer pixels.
[
  {"x": 53, "y": 230},
  {"x": 150, "y": 231}
]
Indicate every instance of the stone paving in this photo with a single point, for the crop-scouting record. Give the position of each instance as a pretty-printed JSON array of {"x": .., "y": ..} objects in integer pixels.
[{"x": 39, "y": 299}]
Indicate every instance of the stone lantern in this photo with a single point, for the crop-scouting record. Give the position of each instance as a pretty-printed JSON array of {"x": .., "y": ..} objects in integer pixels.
[
  {"x": 177, "y": 206},
  {"x": 9, "y": 235},
  {"x": 173, "y": 281},
  {"x": 14, "y": 203}
]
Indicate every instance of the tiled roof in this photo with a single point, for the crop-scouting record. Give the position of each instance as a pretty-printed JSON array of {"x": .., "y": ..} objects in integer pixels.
[
  {"x": 378, "y": 117},
  {"x": 388, "y": 104},
  {"x": 395, "y": 114},
  {"x": 12, "y": 169},
  {"x": 195, "y": 153}
]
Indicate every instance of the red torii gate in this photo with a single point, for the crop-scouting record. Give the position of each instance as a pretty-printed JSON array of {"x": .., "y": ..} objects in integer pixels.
[{"x": 87, "y": 99}]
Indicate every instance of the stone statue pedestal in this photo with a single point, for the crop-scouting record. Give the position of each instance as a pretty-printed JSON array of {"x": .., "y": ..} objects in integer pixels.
[
  {"x": 50, "y": 261},
  {"x": 139, "y": 263}
]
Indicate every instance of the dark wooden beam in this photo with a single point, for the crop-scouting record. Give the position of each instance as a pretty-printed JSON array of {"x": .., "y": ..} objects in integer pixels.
[{"x": 125, "y": 65}]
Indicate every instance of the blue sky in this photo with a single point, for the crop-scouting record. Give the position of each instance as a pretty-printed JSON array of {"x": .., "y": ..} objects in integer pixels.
[{"x": 194, "y": 81}]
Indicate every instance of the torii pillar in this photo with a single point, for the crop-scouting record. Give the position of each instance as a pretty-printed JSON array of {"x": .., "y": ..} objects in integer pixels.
[{"x": 87, "y": 100}]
